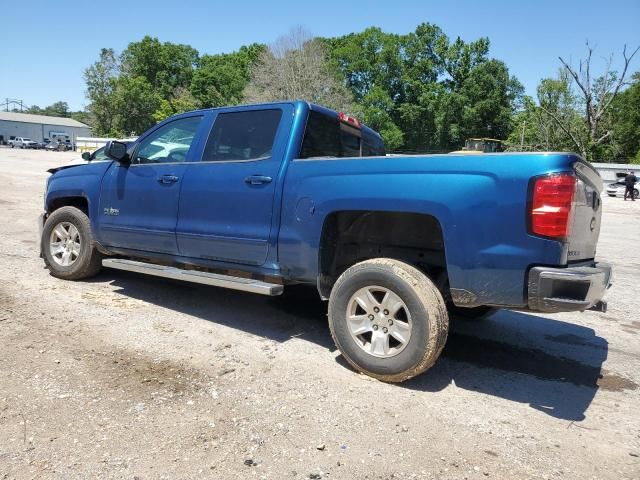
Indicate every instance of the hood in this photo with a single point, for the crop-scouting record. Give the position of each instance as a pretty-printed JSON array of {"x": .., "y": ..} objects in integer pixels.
[{"x": 75, "y": 163}]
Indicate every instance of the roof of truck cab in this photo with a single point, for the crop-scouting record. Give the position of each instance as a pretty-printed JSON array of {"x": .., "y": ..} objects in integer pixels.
[{"x": 310, "y": 105}]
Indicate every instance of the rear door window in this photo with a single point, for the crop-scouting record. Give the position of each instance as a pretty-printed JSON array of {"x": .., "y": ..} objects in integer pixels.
[{"x": 242, "y": 136}]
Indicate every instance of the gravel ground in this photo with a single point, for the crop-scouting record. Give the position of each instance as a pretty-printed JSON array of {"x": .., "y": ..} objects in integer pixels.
[{"x": 126, "y": 376}]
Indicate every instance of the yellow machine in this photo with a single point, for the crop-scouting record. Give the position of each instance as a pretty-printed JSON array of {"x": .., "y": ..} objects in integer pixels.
[{"x": 481, "y": 145}]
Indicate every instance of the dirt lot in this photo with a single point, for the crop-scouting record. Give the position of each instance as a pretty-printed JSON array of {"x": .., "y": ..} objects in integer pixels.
[{"x": 127, "y": 376}]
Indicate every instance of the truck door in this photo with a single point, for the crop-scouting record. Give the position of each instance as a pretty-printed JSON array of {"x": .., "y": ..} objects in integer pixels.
[
  {"x": 139, "y": 202},
  {"x": 227, "y": 198}
]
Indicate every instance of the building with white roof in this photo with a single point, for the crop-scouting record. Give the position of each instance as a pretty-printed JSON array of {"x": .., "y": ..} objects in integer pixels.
[{"x": 39, "y": 127}]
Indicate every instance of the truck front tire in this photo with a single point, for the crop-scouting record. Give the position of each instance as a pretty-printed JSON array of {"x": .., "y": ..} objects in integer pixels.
[
  {"x": 67, "y": 245},
  {"x": 388, "y": 319}
]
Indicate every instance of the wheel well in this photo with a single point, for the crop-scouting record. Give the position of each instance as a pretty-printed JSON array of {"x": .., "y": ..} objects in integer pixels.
[
  {"x": 350, "y": 237},
  {"x": 80, "y": 203}
]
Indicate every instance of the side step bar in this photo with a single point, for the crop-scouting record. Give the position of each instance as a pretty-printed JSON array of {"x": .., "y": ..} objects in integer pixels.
[{"x": 195, "y": 276}]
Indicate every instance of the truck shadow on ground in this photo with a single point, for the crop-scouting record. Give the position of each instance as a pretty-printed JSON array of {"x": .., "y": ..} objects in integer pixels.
[{"x": 552, "y": 365}]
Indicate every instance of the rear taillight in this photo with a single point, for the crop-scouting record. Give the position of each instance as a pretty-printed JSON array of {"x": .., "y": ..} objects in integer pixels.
[{"x": 551, "y": 205}]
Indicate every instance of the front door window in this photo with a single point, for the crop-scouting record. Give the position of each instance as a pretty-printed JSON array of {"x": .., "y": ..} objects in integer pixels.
[{"x": 169, "y": 144}]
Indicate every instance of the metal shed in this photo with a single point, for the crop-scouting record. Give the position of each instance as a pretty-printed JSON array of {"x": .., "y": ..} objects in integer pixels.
[
  {"x": 611, "y": 172},
  {"x": 39, "y": 127}
]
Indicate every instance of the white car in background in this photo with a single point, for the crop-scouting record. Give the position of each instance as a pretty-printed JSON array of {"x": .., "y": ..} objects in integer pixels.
[{"x": 618, "y": 188}]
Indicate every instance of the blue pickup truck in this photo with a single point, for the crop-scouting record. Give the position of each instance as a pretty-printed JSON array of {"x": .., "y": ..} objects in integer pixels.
[{"x": 260, "y": 197}]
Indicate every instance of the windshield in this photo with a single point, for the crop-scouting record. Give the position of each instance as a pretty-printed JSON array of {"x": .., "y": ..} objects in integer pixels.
[{"x": 26, "y": 139}]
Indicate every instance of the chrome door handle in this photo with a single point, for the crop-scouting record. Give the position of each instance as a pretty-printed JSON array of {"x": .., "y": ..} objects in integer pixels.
[
  {"x": 257, "y": 179},
  {"x": 168, "y": 179}
]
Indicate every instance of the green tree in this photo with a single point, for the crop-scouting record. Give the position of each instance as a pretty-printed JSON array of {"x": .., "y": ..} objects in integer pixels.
[
  {"x": 221, "y": 79},
  {"x": 421, "y": 90},
  {"x": 428, "y": 93},
  {"x": 375, "y": 109},
  {"x": 83, "y": 116},
  {"x": 34, "y": 109},
  {"x": 371, "y": 64},
  {"x": 181, "y": 101},
  {"x": 57, "y": 109},
  {"x": 536, "y": 127},
  {"x": 164, "y": 66},
  {"x": 368, "y": 59},
  {"x": 626, "y": 128},
  {"x": 491, "y": 97},
  {"x": 135, "y": 103},
  {"x": 101, "y": 79}
]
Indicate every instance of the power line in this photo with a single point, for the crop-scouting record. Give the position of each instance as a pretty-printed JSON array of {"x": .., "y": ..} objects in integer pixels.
[{"x": 14, "y": 101}]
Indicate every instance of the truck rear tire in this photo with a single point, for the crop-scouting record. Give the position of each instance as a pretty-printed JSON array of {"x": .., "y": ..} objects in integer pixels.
[
  {"x": 67, "y": 245},
  {"x": 388, "y": 319}
]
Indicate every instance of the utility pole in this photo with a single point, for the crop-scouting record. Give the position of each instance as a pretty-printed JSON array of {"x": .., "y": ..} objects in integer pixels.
[
  {"x": 524, "y": 123},
  {"x": 16, "y": 101}
]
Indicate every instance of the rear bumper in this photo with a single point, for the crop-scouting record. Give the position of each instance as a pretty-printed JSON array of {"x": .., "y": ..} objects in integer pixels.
[{"x": 568, "y": 289}]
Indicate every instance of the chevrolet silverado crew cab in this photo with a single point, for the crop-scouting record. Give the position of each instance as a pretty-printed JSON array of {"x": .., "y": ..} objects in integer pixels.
[{"x": 260, "y": 197}]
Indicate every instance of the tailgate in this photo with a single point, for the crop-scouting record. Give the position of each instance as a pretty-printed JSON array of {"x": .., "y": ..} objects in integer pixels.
[{"x": 587, "y": 214}]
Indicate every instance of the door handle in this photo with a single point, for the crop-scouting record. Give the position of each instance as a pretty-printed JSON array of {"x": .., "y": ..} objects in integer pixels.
[
  {"x": 168, "y": 179},
  {"x": 257, "y": 179}
]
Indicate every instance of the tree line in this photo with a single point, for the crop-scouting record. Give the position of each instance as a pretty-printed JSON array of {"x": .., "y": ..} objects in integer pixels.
[{"x": 423, "y": 91}]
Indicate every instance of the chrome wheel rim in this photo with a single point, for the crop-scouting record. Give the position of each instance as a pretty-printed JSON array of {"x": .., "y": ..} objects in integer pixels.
[
  {"x": 379, "y": 321},
  {"x": 65, "y": 244}
]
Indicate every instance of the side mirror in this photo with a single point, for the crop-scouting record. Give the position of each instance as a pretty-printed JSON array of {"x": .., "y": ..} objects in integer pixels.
[
  {"x": 86, "y": 156},
  {"x": 117, "y": 151}
]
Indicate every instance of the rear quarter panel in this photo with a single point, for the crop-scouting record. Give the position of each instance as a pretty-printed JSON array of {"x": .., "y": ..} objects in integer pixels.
[{"x": 480, "y": 202}]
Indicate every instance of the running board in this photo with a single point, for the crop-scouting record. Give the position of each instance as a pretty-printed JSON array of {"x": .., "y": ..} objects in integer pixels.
[{"x": 195, "y": 276}]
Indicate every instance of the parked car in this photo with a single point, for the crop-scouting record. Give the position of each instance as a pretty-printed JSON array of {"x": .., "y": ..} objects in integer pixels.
[
  {"x": 23, "y": 142},
  {"x": 618, "y": 188},
  {"x": 56, "y": 146},
  {"x": 257, "y": 198}
]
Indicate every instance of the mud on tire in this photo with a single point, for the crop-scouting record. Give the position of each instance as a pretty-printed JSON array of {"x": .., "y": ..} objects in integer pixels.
[
  {"x": 67, "y": 245},
  {"x": 388, "y": 319}
]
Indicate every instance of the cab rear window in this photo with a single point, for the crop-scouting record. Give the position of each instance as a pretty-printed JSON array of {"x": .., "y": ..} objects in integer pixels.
[{"x": 326, "y": 136}]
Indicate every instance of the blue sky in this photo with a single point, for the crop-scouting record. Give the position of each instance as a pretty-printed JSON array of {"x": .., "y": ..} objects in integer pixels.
[{"x": 46, "y": 51}]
